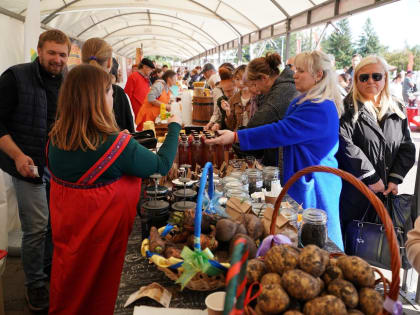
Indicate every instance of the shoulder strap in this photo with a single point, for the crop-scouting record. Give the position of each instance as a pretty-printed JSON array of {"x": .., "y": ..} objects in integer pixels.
[{"x": 106, "y": 160}]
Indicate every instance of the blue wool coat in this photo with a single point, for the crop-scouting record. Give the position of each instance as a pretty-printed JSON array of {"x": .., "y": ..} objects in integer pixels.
[{"x": 309, "y": 135}]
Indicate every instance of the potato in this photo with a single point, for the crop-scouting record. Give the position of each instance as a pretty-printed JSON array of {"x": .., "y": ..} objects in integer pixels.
[
  {"x": 313, "y": 260},
  {"x": 255, "y": 270},
  {"x": 293, "y": 312},
  {"x": 332, "y": 272},
  {"x": 357, "y": 271},
  {"x": 281, "y": 258},
  {"x": 354, "y": 312},
  {"x": 254, "y": 226},
  {"x": 321, "y": 284},
  {"x": 226, "y": 230},
  {"x": 273, "y": 299},
  {"x": 345, "y": 291},
  {"x": 250, "y": 243},
  {"x": 325, "y": 305},
  {"x": 271, "y": 278},
  {"x": 300, "y": 285},
  {"x": 371, "y": 301}
]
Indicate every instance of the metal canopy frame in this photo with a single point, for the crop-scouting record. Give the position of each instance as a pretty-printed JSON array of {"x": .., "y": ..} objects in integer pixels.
[{"x": 324, "y": 12}]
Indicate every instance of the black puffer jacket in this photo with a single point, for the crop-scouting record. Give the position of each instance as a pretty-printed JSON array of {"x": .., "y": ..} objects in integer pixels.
[
  {"x": 273, "y": 108},
  {"x": 371, "y": 151}
]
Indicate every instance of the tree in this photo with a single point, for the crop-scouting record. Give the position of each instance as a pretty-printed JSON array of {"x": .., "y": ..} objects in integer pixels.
[
  {"x": 339, "y": 44},
  {"x": 368, "y": 43},
  {"x": 399, "y": 58}
]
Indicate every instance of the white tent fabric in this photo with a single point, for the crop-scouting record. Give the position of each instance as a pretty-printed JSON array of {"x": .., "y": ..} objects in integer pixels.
[{"x": 186, "y": 28}]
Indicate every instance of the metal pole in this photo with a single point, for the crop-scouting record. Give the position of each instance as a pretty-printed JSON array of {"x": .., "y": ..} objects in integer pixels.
[
  {"x": 240, "y": 51},
  {"x": 287, "y": 39},
  {"x": 417, "y": 299}
]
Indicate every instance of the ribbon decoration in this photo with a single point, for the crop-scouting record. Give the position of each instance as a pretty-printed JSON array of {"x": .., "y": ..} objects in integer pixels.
[
  {"x": 272, "y": 240},
  {"x": 394, "y": 307},
  {"x": 194, "y": 262},
  {"x": 212, "y": 206}
]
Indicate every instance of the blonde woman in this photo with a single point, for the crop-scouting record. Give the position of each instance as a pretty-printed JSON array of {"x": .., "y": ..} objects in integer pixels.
[
  {"x": 375, "y": 143},
  {"x": 309, "y": 136}
]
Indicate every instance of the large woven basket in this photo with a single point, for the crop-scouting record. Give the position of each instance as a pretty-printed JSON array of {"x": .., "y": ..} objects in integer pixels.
[
  {"x": 172, "y": 267},
  {"x": 391, "y": 289}
]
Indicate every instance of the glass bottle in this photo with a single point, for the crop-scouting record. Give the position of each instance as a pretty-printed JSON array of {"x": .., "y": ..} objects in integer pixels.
[
  {"x": 196, "y": 152},
  {"x": 184, "y": 151},
  {"x": 314, "y": 228}
]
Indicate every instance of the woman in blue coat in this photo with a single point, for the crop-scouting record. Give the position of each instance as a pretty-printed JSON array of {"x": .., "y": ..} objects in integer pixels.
[{"x": 309, "y": 136}]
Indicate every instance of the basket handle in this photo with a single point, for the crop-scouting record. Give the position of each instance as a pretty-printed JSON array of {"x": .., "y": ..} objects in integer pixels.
[
  {"x": 207, "y": 170},
  {"x": 375, "y": 201}
]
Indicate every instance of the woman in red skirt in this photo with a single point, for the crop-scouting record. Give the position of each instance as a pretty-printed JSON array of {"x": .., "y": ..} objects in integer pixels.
[{"x": 96, "y": 172}]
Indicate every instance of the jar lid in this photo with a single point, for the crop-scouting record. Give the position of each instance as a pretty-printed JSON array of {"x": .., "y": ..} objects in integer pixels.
[
  {"x": 236, "y": 193},
  {"x": 289, "y": 214},
  {"x": 181, "y": 193},
  {"x": 230, "y": 179},
  {"x": 183, "y": 205},
  {"x": 234, "y": 185},
  {"x": 253, "y": 172},
  {"x": 316, "y": 216},
  {"x": 155, "y": 204}
]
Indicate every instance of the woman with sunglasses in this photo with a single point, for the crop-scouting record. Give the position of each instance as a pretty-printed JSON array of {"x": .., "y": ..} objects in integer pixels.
[{"x": 375, "y": 143}]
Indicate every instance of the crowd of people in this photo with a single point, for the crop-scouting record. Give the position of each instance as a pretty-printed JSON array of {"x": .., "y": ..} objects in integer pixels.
[{"x": 84, "y": 191}]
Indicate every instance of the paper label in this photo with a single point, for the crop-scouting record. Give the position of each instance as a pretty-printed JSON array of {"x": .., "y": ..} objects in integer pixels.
[
  {"x": 259, "y": 184},
  {"x": 154, "y": 291}
]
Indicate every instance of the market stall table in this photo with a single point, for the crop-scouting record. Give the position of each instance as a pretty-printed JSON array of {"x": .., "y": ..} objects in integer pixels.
[{"x": 138, "y": 272}]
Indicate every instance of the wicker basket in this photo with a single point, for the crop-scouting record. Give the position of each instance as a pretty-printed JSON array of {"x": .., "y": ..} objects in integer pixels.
[
  {"x": 172, "y": 267},
  {"x": 391, "y": 289}
]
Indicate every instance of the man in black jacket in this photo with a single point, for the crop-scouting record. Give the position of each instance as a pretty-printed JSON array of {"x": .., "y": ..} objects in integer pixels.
[{"x": 27, "y": 111}]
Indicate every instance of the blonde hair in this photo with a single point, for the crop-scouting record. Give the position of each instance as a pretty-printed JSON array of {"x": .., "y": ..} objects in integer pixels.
[
  {"x": 96, "y": 52},
  {"x": 83, "y": 120},
  {"x": 327, "y": 87},
  {"x": 386, "y": 101}
]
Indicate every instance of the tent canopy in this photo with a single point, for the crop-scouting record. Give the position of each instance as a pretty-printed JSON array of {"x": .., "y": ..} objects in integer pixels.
[{"x": 186, "y": 28}]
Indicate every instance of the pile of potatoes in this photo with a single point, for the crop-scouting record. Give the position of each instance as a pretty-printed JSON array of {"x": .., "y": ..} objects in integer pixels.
[{"x": 306, "y": 281}]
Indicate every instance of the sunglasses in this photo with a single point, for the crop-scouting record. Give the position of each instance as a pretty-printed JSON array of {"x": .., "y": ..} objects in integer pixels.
[{"x": 375, "y": 76}]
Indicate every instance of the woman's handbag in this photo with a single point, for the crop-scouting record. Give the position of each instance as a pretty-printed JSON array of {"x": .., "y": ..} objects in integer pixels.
[{"x": 367, "y": 239}]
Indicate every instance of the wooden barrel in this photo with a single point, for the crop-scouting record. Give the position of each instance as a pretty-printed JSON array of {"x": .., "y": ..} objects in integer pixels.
[{"x": 202, "y": 110}]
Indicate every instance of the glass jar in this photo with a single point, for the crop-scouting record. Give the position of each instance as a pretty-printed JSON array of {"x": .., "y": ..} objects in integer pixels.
[
  {"x": 237, "y": 193},
  {"x": 271, "y": 176},
  {"x": 314, "y": 228},
  {"x": 255, "y": 180},
  {"x": 290, "y": 215},
  {"x": 234, "y": 185},
  {"x": 242, "y": 177}
]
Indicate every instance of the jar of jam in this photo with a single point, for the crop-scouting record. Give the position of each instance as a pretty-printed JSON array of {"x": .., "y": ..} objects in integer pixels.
[
  {"x": 242, "y": 177},
  {"x": 271, "y": 177},
  {"x": 313, "y": 229},
  {"x": 255, "y": 180}
]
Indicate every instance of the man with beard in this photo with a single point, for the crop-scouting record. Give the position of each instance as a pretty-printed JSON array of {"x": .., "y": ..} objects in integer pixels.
[{"x": 27, "y": 110}]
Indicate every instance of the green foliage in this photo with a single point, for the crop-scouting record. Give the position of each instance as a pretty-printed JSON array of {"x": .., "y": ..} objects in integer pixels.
[
  {"x": 399, "y": 58},
  {"x": 339, "y": 44},
  {"x": 368, "y": 43}
]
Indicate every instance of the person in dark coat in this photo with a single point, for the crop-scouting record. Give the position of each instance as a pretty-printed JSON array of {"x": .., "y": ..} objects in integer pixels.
[
  {"x": 277, "y": 90},
  {"x": 375, "y": 143},
  {"x": 97, "y": 52}
]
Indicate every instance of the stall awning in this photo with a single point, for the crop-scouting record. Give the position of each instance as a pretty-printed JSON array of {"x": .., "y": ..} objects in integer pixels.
[{"x": 187, "y": 28}]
